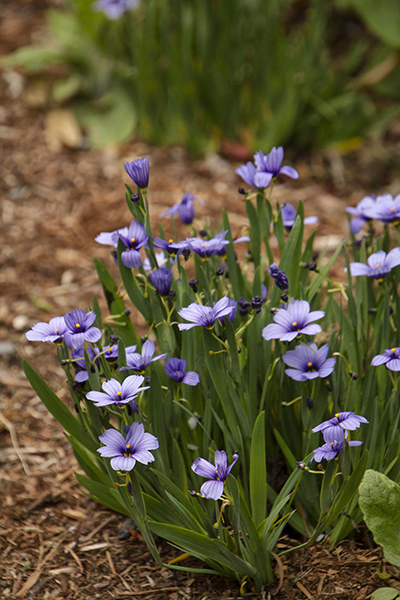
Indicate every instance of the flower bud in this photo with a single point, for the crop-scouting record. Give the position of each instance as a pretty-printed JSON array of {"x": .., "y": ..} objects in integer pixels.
[
  {"x": 135, "y": 198},
  {"x": 242, "y": 191}
]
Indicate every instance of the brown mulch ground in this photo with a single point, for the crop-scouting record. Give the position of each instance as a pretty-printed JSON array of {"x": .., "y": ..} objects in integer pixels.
[{"x": 55, "y": 542}]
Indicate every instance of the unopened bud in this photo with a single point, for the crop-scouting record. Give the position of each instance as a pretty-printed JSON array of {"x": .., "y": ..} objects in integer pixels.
[
  {"x": 354, "y": 376},
  {"x": 284, "y": 297},
  {"x": 127, "y": 312},
  {"x": 135, "y": 198},
  {"x": 193, "y": 284},
  {"x": 242, "y": 191},
  {"x": 203, "y": 232},
  {"x": 114, "y": 338},
  {"x": 186, "y": 254},
  {"x": 219, "y": 272},
  {"x": 301, "y": 465},
  {"x": 310, "y": 403}
]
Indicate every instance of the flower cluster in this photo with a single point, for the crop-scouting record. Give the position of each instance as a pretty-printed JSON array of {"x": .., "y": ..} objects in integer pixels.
[
  {"x": 384, "y": 208},
  {"x": 335, "y": 432},
  {"x": 267, "y": 167},
  {"x": 76, "y": 328}
]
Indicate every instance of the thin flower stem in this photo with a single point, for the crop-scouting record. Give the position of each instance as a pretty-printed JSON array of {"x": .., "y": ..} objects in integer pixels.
[{"x": 220, "y": 341}]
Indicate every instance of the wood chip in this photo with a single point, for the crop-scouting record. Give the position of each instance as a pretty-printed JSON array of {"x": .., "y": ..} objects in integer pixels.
[
  {"x": 92, "y": 547},
  {"x": 304, "y": 590}
]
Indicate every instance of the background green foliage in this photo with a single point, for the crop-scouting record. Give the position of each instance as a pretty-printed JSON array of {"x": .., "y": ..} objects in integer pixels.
[{"x": 196, "y": 72}]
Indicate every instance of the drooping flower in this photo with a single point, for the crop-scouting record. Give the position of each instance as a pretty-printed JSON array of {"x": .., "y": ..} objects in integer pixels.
[
  {"x": 293, "y": 321},
  {"x": 162, "y": 280},
  {"x": 117, "y": 393},
  {"x": 80, "y": 328},
  {"x": 362, "y": 213},
  {"x": 126, "y": 452},
  {"x": 390, "y": 358},
  {"x": 289, "y": 213},
  {"x": 379, "y": 264},
  {"x": 53, "y": 331},
  {"x": 184, "y": 209},
  {"x": 139, "y": 362},
  {"x": 308, "y": 362},
  {"x": 114, "y": 9},
  {"x": 175, "y": 368},
  {"x": 334, "y": 429},
  {"x": 331, "y": 450},
  {"x": 217, "y": 473},
  {"x": 281, "y": 280},
  {"x": 133, "y": 237},
  {"x": 205, "y": 248},
  {"x": 78, "y": 361},
  {"x": 138, "y": 171},
  {"x": 204, "y": 316}
]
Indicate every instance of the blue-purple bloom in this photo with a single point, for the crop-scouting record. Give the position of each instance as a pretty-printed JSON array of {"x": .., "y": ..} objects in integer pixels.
[
  {"x": 331, "y": 450},
  {"x": 162, "y": 280},
  {"x": 184, "y": 209},
  {"x": 138, "y": 171},
  {"x": 293, "y": 321},
  {"x": 362, "y": 213},
  {"x": 308, "y": 362},
  {"x": 139, "y": 362},
  {"x": 205, "y": 248},
  {"x": 281, "y": 280},
  {"x": 175, "y": 368},
  {"x": 266, "y": 168},
  {"x": 133, "y": 237},
  {"x": 390, "y": 358},
  {"x": 334, "y": 429},
  {"x": 53, "y": 331},
  {"x": 110, "y": 353},
  {"x": 117, "y": 393},
  {"x": 108, "y": 238},
  {"x": 170, "y": 246},
  {"x": 80, "y": 328},
  {"x": 386, "y": 209},
  {"x": 217, "y": 474},
  {"x": 379, "y": 264},
  {"x": 289, "y": 213},
  {"x": 204, "y": 316},
  {"x": 78, "y": 358},
  {"x": 126, "y": 452},
  {"x": 114, "y": 9},
  {"x": 161, "y": 261}
]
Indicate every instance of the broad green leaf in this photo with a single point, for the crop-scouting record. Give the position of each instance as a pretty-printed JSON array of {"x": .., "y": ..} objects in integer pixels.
[
  {"x": 379, "y": 501},
  {"x": 258, "y": 471},
  {"x": 102, "y": 494},
  {"x": 385, "y": 593}
]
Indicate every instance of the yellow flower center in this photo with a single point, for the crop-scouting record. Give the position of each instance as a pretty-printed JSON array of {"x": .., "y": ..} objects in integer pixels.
[
  {"x": 392, "y": 209},
  {"x": 309, "y": 364},
  {"x": 77, "y": 325},
  {"x": 394, "y": 350},
  {"x": 170, "y": 241},
  {"x": 337, "y": 415},
  {"x": 377, "y": 266},
  {"x": 203, "y": 245},
  {"x": 119, "y": 393},
  {"x": 294, "y": 323},
  {"x": 133, "y": 240},
  {"x": 57, "y": 330},
  {"x": 128, "y": 446}
]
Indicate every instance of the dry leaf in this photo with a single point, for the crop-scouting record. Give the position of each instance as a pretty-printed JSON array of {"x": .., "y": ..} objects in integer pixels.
[{"x": 61, "y": 129}]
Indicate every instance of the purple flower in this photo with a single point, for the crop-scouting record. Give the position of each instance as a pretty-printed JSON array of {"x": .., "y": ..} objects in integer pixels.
[
  {"x": 205, "y": 248},
  {"x": 139, "y": 362},
  {"x": 269, "y": 167},
  {"x": 214, "y": 488},
  {"x": 308, "y": 362},
  {"x": 78, "y": 358},
  {"x": 363, "y": 212},
  {"x": 138, "y": 171},
  {"x": 184, "y": 209},
  {"x": 386, "y": 209},
  {"x": 133, "y": 238},
  {"x": 289, "y": 213},
  {"x": 379, "y": 264},
  {"x": 293, "y": 321},
  {"x": 331, "y": 450},
  {"x": 390, "y": 358},
  {"x": 114, "y": 9},
  {"x": 117, "y": 393},
  {"x": 231, "y": 315},
  {"x": 170, "y": 246},
  {"x": 80, "y": 328},
  {"x": 53, "y": 331},
  {"x": 175, "y": 369},
  {"x": 204, "y": 316},
  {"x": 247, "y": 172},
  {"x": 281, "y": 280},
  {"x": 161, "y": 279},
  {"x": 126, "y": 452},
  {"x": 110, "y": 353},
  {"x": 334, "y": 429}
]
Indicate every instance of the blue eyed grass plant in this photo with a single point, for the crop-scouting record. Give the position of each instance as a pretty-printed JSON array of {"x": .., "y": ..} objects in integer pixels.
[{"x": 229, "y": 374}]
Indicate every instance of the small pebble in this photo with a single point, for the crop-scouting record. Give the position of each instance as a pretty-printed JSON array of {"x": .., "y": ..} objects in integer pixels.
[
  {"x": 20, "y": 322},
  {"x": 125, "y": 531}
]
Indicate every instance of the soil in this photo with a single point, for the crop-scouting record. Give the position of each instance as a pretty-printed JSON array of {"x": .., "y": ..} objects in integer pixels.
[{"x": 55, "y": 542}]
